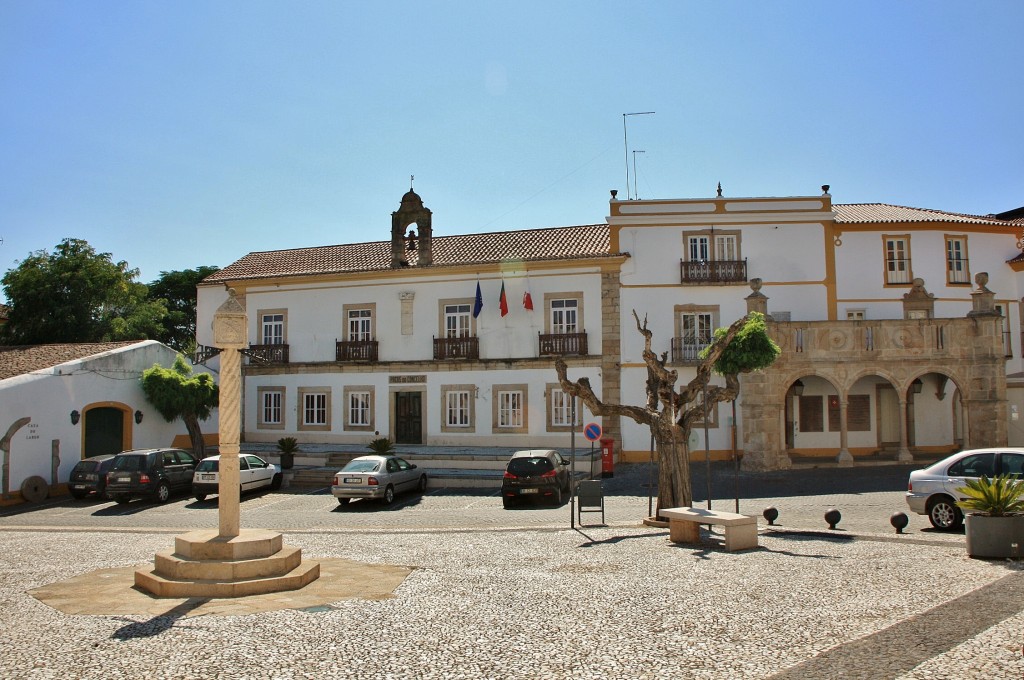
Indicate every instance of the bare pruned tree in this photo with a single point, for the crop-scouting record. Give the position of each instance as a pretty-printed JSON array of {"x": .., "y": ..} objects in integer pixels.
[{"x": 671, "y": 415}]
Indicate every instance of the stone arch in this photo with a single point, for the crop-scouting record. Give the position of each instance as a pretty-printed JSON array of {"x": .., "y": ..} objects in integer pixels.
[{"x": 5, "y": 447}]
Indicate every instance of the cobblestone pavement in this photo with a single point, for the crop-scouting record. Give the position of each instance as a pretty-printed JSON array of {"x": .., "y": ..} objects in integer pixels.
[{"x": 538, "y": 599}]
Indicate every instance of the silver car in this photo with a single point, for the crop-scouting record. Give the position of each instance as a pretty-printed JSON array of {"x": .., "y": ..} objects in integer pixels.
[
  {"x": 933, "y": 490},
  {"x": 377, "y": 477}
]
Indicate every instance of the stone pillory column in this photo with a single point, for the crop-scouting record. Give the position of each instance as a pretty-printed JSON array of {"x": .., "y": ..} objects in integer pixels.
[
  {"x": 229, "y": 334},
  {"x": 232, "y": 563}
]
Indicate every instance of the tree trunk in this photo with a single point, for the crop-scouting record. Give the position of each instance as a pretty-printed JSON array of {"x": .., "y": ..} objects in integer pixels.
[
  {"x": 195, "y": 435},
  {"x": 674, "y": 489}
]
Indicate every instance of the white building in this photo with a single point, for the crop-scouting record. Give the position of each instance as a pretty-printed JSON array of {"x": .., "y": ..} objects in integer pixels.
[
  {"x": 64, "y": 402},
  {"x": 870, "y": 304}
]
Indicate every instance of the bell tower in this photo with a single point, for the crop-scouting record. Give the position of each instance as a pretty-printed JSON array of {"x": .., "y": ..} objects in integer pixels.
[{"x": 412, "y": 248}]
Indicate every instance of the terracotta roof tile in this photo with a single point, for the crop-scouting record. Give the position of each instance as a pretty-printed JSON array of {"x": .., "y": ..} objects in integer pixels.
[
  {"x": 21, "y": 359},
  {"x": 854, "y": 213},
  {"x": 557, "y": 243}
]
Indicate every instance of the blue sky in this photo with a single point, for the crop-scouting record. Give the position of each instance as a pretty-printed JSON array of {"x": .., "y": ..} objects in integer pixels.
[{"x": 179, "y": 134}]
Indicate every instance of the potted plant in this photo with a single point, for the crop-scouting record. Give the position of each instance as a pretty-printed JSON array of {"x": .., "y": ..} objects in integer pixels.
[
  {"x": 995, "y": 521},
  {"x": 382, "y": 446},
  {"x": 288, "y": 446}
]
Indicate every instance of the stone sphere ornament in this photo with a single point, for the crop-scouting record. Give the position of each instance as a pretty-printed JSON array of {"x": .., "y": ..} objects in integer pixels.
[
  {"x": 771, "y": 513},
  {"x": 832, "y": 517},
  {"x": 899, "y": 521}
]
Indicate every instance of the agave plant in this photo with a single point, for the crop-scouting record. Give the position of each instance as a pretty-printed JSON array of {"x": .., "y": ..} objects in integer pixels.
[
  {"x": 1002, "y": 495},
  {"x": 382, "y": 446}
]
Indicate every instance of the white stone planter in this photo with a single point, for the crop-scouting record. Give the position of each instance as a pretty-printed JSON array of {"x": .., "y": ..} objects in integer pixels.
[{"x": 995, "y": 536}]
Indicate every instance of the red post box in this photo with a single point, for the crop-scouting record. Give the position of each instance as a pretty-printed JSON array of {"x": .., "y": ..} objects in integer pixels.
[{"x": 607, "y": 460}]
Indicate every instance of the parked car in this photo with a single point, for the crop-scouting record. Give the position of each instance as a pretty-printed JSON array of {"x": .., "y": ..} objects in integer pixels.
[
  {"x": 377, "y": 477},
  {"x": 90, "y": 476},
  {"x": 152, "y": 473},
  {"x": 536, "y": 473},
  {"x": 253, "y": 473},
  {"x": 933, "y": 490}
]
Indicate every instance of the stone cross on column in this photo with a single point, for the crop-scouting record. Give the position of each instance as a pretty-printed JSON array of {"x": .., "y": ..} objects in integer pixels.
[{"x": 230, "y": 330}]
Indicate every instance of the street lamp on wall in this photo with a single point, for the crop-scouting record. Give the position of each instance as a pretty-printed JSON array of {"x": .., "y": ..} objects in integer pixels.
[
  {"x": 916, "y": 386},
  {"x": 75, "y": 417},
  {"x": 798, "y": 388},
  {"x": 138, "y": 417}
]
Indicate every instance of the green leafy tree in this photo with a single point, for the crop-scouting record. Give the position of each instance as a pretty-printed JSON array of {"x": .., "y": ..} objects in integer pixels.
[
  {"x": 177, "y": 289},
  {"x": 178, "y": 393},
  {"x": 75, "y": 294},
  {"x": 671, "y": 415}
]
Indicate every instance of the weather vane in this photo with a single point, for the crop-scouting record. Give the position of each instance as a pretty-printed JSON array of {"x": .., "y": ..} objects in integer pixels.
[{"x": 411, "y": 178}]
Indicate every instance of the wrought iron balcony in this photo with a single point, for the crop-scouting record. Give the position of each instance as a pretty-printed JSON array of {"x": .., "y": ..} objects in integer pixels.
[
  {"x": 267, "y": 354},
  {"x": 563, "y": 344},
  {"x": 457, "y": 348},
  {"x": 356, "y": 350},
  {"x": 687, "y": 350},
  {"x": 713, "y": 271}
]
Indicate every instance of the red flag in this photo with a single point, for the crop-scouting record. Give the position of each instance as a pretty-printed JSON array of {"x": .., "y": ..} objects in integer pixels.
[
  {"x": 503, "y": 302},
  {"x": 527, "y": 301}
]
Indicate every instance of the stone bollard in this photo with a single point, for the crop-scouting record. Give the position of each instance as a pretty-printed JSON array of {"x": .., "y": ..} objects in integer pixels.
[
  {"x": 832, "y": 517},
  {"x": 771, "y": 513},
  {"x": 899, "y": 520}
]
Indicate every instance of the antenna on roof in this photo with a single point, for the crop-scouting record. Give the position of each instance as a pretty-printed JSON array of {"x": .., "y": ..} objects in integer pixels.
[
  {"x": 411, "y": 178},
  {"x": 625, "y": 142}
]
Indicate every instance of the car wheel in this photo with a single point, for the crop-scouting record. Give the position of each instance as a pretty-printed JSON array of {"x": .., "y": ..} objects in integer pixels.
[
  {"x": 389, "y": 495},
  {"x": 943, "y": 514},
  {"x": 200, "y": 497},
  {"x": 343, "y": 501},
  {"x": 275, "y": 483},
  {"x": 79, "y": 494},
  {"x": 121, "y": 500},
  {"x": 163, "y": 492},
  {"x": 423, "y": 483}
]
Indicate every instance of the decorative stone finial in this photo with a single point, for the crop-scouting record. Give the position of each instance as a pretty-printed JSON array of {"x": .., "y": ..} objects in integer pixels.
[
  {"x": 981, "y": 278},
  {"x": 719, "y": 190},
  {"x": 755, "y": 285}
]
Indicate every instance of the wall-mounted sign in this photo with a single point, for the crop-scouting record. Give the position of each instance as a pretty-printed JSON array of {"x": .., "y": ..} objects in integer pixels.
[{"x": 403, "y": 379}]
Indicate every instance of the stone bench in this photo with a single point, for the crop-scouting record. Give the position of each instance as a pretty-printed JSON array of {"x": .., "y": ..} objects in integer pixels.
[{"x": 684, "y": 526}]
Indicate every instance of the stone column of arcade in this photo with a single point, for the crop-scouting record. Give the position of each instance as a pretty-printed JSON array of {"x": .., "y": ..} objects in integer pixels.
[{"x": 229, "y": 562}]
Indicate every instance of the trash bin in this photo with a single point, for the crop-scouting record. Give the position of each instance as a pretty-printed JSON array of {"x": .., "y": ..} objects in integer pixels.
[{"x": 607, "y": 460}]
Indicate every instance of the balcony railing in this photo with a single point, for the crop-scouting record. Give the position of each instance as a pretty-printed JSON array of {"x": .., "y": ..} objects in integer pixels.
[
  {"x": 356, "y": 350},
  {"x": 713, "y": 271},
  {"x": 957, "y": 271},
  {"x": 457, "y": 348},
  {"x": 687, "y": 350},
  {"x": 563, "y": 344},
  {"x": 268, "y": 354},
  {"x": 897, "y": 270}
]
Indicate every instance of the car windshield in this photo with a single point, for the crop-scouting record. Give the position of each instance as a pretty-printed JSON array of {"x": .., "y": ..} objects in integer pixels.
[
  {"x": 361, "y": 466},
  {"x": 207, "y": 465},
  {"x": 527, "y": 467},
  {"x": 130, "y": 463}
]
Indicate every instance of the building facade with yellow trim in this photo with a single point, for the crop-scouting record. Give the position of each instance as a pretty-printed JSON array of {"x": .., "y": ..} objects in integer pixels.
[{"x": 891, "y": 347}]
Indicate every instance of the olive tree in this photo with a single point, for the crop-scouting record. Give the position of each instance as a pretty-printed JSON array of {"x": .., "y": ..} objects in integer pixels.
[{"x": 742, "y": 347}]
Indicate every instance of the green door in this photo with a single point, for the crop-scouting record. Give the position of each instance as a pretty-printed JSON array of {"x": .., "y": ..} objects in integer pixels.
[
  {"x": 408, "y": 418},
  {"x": 104, "y": 431}
]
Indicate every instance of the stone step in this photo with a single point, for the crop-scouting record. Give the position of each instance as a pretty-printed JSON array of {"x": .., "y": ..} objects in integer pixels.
[
  {"x": 299, "y": 577},
  {"x": 173, "y": 566}
]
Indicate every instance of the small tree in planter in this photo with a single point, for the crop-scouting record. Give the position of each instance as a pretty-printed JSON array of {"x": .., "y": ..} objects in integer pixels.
[
  {"x": 382, "y": 446},
  {"x": 288, "y": 446},
  {"x": 995, "y": 523}
]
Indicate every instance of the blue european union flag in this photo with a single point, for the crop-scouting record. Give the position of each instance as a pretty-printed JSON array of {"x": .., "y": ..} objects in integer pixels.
[{"x": 478, "y": 304}]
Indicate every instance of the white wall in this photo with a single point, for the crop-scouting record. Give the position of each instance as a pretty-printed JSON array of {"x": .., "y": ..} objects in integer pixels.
[{"x": 48, "y": 397}]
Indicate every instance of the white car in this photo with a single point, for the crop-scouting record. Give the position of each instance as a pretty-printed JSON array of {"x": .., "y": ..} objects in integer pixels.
[
  {"x": 253, "y": 473},
  {"x": 933, "y": 490},
  {"x": 377, "y": 477}
]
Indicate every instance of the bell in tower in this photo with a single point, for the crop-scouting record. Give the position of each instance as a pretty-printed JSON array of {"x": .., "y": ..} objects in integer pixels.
[{"x": 412, "y": 248}]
